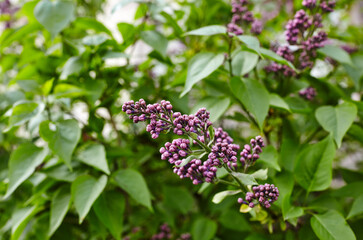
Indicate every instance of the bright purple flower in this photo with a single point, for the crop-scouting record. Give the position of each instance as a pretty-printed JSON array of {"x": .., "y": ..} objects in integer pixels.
[
  {"x": 327, "y": 6},
  {"x": 250, "y": 153},
  {"x": 265, "y": 195},
  {"x": 256, "y": 27},
  {"x": 309, "y": 3}
]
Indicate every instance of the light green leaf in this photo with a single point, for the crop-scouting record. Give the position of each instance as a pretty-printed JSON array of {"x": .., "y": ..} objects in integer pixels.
[
  {"x": 219, "y": 197},
  {"x": 216, "y": 106},
  {"x": 155, "y": 40},
  {"x": 331, "y": 226},
  {"x": 23, "y": 161},
  {"x": 112, "y": 54},
  {"x": 58, "y": 208},
  {"x": 336, "y": 53},
  {"x": 134, "y": 184},
  {"x": 357, "y": 207},
  {"x": 62, "y": 137},
  {"x": 94, "y": 155},
  {"x": 243, "y": 62},
  {"x": 74, "y": 65},
  {"x": 201, "y": 66},
  {"x": 337, "y": 120},
  {"x": 91, "y": 23},
  {"x": 313, "y": 170},
  {"x": 260, "y": 174},
  {"x": 204, "y": 229},
  {"x": 128, "y": 32},
  {"x": 208, "y": 30},
  {"x": 277, "y": 101},
  {"x": 275, "y": 57},
  {"x": 85, "y": 191},
  {"x": 23, "y": 112},
  {"x": 95, "y": 40},
  {"x": 109, "y": 208},
  {"x": 123, "y": 3},
  {"x": 253, "y": 95},
  {"x": 55, "y": 15},
  {"x": 64, "y": 90},
  {"x": 20, "y": 219},
  {"x": 246, "y": 179},
  {"x": 251, "y": 43},
  {"x": 270, "y": 157}
]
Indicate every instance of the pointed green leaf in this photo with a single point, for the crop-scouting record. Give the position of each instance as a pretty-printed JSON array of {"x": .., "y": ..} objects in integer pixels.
[
  {"x": 204, "y": 229},
  {"x": 23, "y": 162},
  {"x": 246, "y": 179},
  {"x": 251, "y": 42},
  {"x": 313, "y": 170},
  {"x": 331, "y": 226},
  {"x": 260, "y": 174},
  {"x": 357, "y": 207},
  {"x": 155, "y": 40},
  {"x": 253, "y": 95},
  {"x": 58, "y": 208},
  {"x": 201, "y": 66},
  {"x": 20, "y": 219},
  {"x": 134, "y": 184},
  {"x": 109, "y": 208},
  {"x": 337, "y": 120},
  {"x": 23, "y": 112},
  {"x": 208, "y": 31},
  {"x": 277, "y": 101},
  {"x": 54, "y": 15},
  {"x": 85, "y": 191},
  {"x": 219, "y": 197},
  {"x": 61, "y": 137},
  {"x": 94, "y": 155},
  {"x": 336, "y": 53},
  {"x": 243, "y": 62}
]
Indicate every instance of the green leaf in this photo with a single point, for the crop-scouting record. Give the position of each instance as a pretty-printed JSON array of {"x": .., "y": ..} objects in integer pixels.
[
  {"x": 275, "y": 57},
  {"x": 74, "y": 65},
  {"x": 91, "y": 23},
  {"x": 20, "y": 220},
  {"x": 201, "y": 66},
  {"x": 356, "y": 132},
  {"x": 246, "y": 179},
  {"x": 178, "y": 199},
  {"x": 243, "y": 62},
  {"x": 109, "y": 208},
  {"x": 357, "y": 207},
  {"x": 216, "y": 106},
  {"x": 353, "y": 190},
  {"x": 123, "y": 3},
  {"x": 288, "y": 211},
  {"x": 128, "y": 32},
  {"x": 95, "y": 40},
  {"x": 232, "y": 219},
  {"x": 54, "y": 16},
  {"x": 62, "y": 137},
  {"x": 155, "y": 40},
  {"x": 58, "y": 208},
  {"x": 64, "y": 90},
  {"x": 336, "y": 53},
  {"x": 94, "y": 155},
  {"x": 337, "y": 120},
  {"x": 23, "y": 112},
  {"x": 253, "y": 95},
  {"x": 204, "y": 229},
  {"x": 331, "y": 226},
  {"x": 23, "y": 162},
  {"x": 85, "y": 191},
  {"x": 134, "y": 184},
  {"x": 19, "y": 34},
  {"x": 277, "y": 101},
  {"x": 219, "y": 197},
  {"x": 208, "y": 31},
  {"x": 270, "y": 157},
  {"x": 313, "y": 170},
  {"x": 251, "y": 43},
  {"x": 260, "y": 174},
  {"x": 173, "y": 23}
]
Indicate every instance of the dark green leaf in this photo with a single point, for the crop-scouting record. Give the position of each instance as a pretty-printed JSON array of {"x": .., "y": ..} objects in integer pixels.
[
  {"x": 85, "y": 191},
  {"x": 23, "y": 161},
  {"x": 58, "y": 208},
  {"x": 337, "y": 120},
  {"x": 313, "y": 169},
  {"x": 277, "y": 101},
  {"x": 178, "y": 198},
  {"x": 331, "y": 225},
  {"x": 270, "y": 157},
  {"x": 134, "y": 184},
  {"x": 204, "y": 229},
  {"x": 357, "y": 207},
  {"x": 234, "y": 220},
  {"x": 201, "y": 66}
]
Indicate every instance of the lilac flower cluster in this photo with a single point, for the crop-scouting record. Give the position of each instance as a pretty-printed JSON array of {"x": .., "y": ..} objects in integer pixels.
[
  {"x": 264, "y": 194},
  {"x": 302, "y": 32},
  {"x": 285, "y": 52},
  {"x": 7, "y": 8},
  {"x": 308, "y": 93},
  {"x": 197, "y": 171},
  {"x": 249, "y": 154},
  {"x": 241, "y": 15},
  {"x": 177, "y": 149},
  {"x": 191, "y": 123},
  {"x": 165, "y": 233}
]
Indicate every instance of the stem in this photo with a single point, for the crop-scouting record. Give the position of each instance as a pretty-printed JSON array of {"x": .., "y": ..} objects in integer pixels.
[
  {"x": 242, "y": 187},
  {"x": 201, "y": 144},
  {"x": 230, "y": 44}
]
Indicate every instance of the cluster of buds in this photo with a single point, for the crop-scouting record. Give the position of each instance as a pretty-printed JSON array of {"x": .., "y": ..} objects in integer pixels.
[
  {"x": 165, "y": 233},
  {"x": 242, "y": 16},
  {"x": 250, "y": 153},
  {"x": 285, "y": 52},
  {"x": 185, "y": 236},
  {"x": 308, "y": 93},
  {"x": 263, "y": 194},
  {"x": 215, "y": 142},
  {"x": 301, "y": 31}
]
